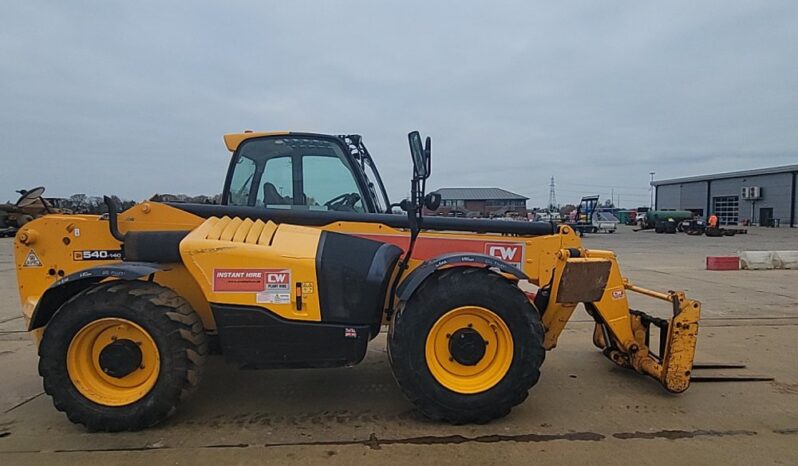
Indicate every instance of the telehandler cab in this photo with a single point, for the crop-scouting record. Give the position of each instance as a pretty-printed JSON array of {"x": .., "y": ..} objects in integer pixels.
[{"x": 299, "y": 267}]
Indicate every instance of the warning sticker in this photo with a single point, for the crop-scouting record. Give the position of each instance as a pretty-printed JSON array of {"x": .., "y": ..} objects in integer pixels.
[
  {"x": 32, "y": 260},
  {"x": 274, "y": 297}
]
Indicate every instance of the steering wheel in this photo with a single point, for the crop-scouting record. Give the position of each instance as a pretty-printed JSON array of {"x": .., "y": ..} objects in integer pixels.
[{"x": 344, "y": 202}]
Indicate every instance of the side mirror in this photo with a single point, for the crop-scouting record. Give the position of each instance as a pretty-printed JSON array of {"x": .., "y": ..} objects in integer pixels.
[
  {"x": 420, "y": 155},
  {"x": 428, "y": 154},
  {"x": 432, "y": 201}
]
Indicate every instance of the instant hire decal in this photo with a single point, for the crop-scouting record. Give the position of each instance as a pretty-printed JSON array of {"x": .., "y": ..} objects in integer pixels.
[{"x": 272, "y": 286}]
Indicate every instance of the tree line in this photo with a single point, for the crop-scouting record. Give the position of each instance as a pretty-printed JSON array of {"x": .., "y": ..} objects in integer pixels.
[{"x": 85, "y": 204}]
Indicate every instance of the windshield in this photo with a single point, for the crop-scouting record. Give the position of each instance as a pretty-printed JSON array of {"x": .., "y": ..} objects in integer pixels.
[{"x": 362, "y": 160}]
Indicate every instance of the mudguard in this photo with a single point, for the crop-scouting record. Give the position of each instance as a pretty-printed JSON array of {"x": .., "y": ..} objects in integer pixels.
[
  {"x": 61, "y": 291},
  {"x": 420, "y": 273}
]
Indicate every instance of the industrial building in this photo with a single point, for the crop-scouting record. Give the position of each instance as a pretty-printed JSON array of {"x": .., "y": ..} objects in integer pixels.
[
  {"x": 480, "y": 202},
  {"x": 765, "y": 196}
]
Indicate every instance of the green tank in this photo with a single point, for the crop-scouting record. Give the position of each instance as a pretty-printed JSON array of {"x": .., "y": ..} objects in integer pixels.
[{"x": 651, "y": 217}]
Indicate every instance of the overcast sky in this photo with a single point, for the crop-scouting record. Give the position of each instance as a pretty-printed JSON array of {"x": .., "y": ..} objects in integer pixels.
[{"x": 133, "y": 97}]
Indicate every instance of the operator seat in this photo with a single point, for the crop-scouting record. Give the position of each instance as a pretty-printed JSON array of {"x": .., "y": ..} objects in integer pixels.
[{"x": 271, "y": 195}]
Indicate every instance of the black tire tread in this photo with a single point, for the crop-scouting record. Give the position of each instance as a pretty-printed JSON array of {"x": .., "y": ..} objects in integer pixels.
[
  {"x": 188, "y": 336},
  {"x": 433, "y": 289}
]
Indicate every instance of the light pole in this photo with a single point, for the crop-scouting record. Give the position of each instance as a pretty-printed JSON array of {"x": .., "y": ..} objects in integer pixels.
[{"x": 651, "y": 189}]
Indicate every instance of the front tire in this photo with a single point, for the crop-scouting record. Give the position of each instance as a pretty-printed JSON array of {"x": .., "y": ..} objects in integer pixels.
[
  {"x": 467, "y": 346},
  {"x": 122, "y": 355}
]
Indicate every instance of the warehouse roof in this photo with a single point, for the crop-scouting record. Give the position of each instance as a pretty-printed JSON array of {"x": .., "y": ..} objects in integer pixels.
[
  {"x": 737, "y": 174},
  {"x": 477, "y": 194}
]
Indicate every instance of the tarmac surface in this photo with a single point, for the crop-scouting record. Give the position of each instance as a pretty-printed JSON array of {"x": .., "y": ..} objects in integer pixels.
[{"x": 584, "y": 409}]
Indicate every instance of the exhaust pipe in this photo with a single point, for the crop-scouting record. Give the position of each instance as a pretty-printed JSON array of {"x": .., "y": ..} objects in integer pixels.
[{"x": 113, "y": 226}]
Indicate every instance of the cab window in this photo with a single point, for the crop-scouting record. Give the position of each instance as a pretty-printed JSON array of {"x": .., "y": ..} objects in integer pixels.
[
  {"x": 242, "y": 181},
  {"x": 294, "y": 173},
  {"x": 329, "y": 185},
  {"x": 277, "y": 189}
]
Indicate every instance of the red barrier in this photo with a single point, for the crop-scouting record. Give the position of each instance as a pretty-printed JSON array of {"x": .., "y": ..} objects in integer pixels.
[{"x": 723, "y": 263}]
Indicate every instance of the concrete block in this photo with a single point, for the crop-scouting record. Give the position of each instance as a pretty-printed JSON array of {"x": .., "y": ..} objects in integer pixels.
[
  {"x": 785, "y": 259},
  {"x": 756, "y": 260}
]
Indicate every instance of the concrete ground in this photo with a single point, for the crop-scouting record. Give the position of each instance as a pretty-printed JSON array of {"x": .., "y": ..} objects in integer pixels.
[{"x": 583, "y": 411}]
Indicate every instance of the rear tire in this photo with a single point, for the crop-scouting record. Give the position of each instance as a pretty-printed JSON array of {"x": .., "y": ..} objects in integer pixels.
[
  {"x": 466, "y": 399},
  {"x": 169, "y": 328}
]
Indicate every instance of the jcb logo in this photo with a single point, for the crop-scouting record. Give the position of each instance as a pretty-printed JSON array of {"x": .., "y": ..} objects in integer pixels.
[{"x": 508, "y": 252}]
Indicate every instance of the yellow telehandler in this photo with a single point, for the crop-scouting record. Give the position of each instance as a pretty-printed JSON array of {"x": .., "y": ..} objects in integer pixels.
[{"x": 300, "y": 266}]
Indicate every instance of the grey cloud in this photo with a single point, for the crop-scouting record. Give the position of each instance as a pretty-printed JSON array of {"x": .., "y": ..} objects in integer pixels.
[{"x": 132, "y": 97}]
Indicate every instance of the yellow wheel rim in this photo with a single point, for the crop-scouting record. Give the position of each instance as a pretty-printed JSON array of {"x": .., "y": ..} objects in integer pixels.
[
  {"x": 92, "y": 381},
  {"x": 493, "y": 365}
]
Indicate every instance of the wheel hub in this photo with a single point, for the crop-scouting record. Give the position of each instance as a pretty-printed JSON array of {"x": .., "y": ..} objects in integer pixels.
[
  {"x": 113, "y": 361},
  {"x": 469, "y": 349},
  {"x": 467, "y": 346},
  {"x": 120, "y": 358}
]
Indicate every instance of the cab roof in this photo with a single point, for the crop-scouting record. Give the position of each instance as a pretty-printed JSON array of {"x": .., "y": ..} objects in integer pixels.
[{"x": 233, "y": 140}]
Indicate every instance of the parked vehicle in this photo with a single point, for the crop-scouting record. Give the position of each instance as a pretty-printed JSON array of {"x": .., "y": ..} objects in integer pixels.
[
  {"x": 658, "y": 219},
  {"x": 140, "y": 298},
  {"x": 590, "y": 220},
  {"x": 605, "y": 222},
  {"x": 7, "y": 232},
  {"x": 694, "y": 227}
]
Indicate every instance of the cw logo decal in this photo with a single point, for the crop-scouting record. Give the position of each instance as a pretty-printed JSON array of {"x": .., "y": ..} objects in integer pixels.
[{"x": 512, "y": 253}]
